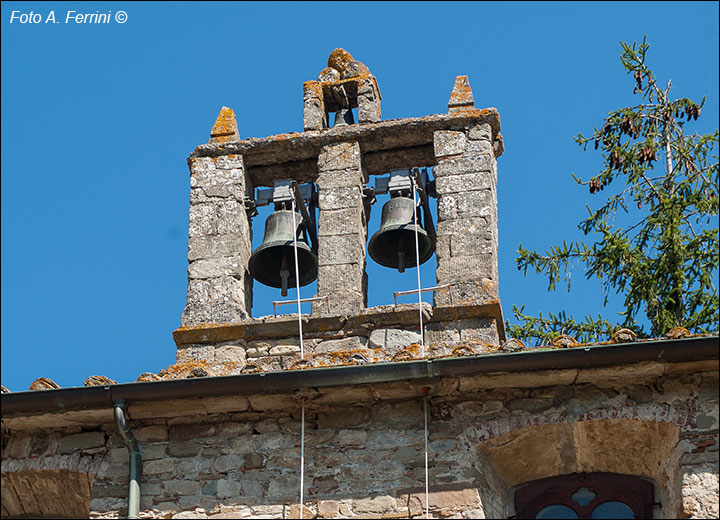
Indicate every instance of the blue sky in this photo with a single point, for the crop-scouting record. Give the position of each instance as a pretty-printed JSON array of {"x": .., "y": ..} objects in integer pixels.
[{"x": 98, "y": 120}]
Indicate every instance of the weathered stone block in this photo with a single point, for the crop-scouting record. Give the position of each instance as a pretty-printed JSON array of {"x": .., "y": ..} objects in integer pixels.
[
  {"x": 216, "y": 267},
  {"x": 468, "y": 293},
  {"x": 190, "y": 353},
  {"x": 368, "y": 109},
  {"x": 343, "y": 417},
  {"x": 314, "y": 117},
  {"x": 214, "y": 246},
  {"x": 340, "y": 277},
  {"x": 156, "y": 467},
  {"x": 182, "y": 487},
  {"x": 374, "y": 505},
  {"x": 407, "y": 414},
  {"x": 201, "y": 165},
  {"x": 230, "y": 162},
  {"x": 284, "y": 350},
  {"x": 339, "y": 156},
  {"x": 233, "y": 219},
  {"x": 197, "y": 314},
  {"x": 223, "y": 289},
  {"x": 478, "y": 203},
  {"x": 19, "y": 446},
  {"x": 392, "y": 340},
  {"x": 448, "y": 142},
  {"x": 481, "y": 131},
  {"x": 466, "y": 268},
  {"x": 191, "y": 431},
  {"x": 203, "y": 220},
  {"x": 328, "y": 509},
  {"x": 341, "y": 302},
  {"x": 273, "y": 402},
  {"x": 463, "y": 182},
  {"x": 341, "y": 345},
  {"x": 81, "y": 441},
  {"x": 473, "y": 245},
  {"x": 225, "y": 181},
  {"x": 339, "y": 198},
  {"x": 466, "y": 163},
  {"x": 156, "y": 432},
  {"x": 227, "y": 463},
  {"x": 342, "y": 249},
  {"x": 183, "y": 449},
  {"x": 230, "y": 354},
  {"x": 343, "y": 222}
]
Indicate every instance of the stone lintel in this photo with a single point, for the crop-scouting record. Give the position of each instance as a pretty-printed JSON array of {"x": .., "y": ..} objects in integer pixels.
[
  {"x": 403, "y": 315},
  {"x": 372, "y": 137},
  {"x": 375, "y": 163}
]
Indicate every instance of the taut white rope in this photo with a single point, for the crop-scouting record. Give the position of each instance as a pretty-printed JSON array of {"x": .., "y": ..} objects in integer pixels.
[
  {"x": 302, "y": 457},
  {"x": 427, "y": 487},
  {"x": 417, "y": 261},
  {"x": 297, "y": 284}
]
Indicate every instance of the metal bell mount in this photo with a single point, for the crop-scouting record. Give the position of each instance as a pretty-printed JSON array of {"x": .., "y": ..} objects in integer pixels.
[
  {"x": 393, "y": 245},
  {"x": 273, "y": 262}
]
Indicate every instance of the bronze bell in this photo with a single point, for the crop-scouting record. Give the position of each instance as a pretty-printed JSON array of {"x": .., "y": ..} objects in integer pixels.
[
  {"x": 273, "y": 262},
  {"x": 393, "y": 245},
  {"x": 344, "y": 117}
]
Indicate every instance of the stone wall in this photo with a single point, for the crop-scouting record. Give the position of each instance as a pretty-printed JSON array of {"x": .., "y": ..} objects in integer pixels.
[
  {"x": 239, "y": 457},
  {"x": 467, "y": 243},
  {"x": 219, "y": 285},
  {"x": 342, "y": 230},
  {"x": 379, "y": 334}
]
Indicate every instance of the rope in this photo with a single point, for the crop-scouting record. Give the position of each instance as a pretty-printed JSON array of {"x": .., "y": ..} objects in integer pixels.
[
  {"x": 417, "y": 263},
  {"x": 427, "y": 487},
  {"x": 302, "y": 457},
  {"x": 297, "y": 285}
]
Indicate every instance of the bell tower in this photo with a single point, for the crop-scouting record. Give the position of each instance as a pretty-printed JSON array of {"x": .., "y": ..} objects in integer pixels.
[{"x": 321, "y": 185}]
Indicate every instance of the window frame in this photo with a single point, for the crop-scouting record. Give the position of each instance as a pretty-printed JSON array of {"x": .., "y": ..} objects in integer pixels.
[{"x": 635, "y": 492}]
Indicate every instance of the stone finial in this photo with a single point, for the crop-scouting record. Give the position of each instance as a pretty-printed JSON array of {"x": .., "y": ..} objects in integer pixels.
[
  {"x": 461, "y": 97},
  {"x": 225, "y": 128},
  {"x": 338, "y": 59}
]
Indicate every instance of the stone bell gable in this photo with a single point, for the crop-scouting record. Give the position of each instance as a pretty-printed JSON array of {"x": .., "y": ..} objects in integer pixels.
[{"x": 459, "y": 149}]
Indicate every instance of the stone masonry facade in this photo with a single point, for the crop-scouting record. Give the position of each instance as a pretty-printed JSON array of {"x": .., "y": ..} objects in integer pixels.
[{"x": 239, "y": 457}]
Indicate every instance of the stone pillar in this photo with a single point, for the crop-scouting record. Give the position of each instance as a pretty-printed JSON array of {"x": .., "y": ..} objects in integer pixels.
[
  {"x": 466, "y": 180},
  {"x": 368, "y": 100},
  {"x": 220, "y": 240},
  {"x": 342, "y": 229},
  {"x": 314, "y": 116}
]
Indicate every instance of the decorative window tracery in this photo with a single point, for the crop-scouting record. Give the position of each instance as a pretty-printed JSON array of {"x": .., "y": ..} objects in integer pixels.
[{"x": 586, "y": 495}]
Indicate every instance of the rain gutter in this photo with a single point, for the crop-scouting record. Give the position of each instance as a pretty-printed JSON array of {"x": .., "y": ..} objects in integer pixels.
[
  {"x": 95, "y": 397},
  {"x": 131, "y": 442}
]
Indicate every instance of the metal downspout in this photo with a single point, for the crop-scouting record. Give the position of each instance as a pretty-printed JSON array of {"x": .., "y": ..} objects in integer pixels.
[{"x": 135, "y": 458}]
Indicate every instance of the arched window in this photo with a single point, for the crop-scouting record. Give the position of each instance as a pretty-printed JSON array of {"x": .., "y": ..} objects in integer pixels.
[{"x": 585, "y": 495}]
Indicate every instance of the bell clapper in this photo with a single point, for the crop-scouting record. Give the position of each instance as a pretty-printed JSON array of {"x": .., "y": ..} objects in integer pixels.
[
  {"x": 401, "y": 258},
  {"x": 284, "y": 276}
]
